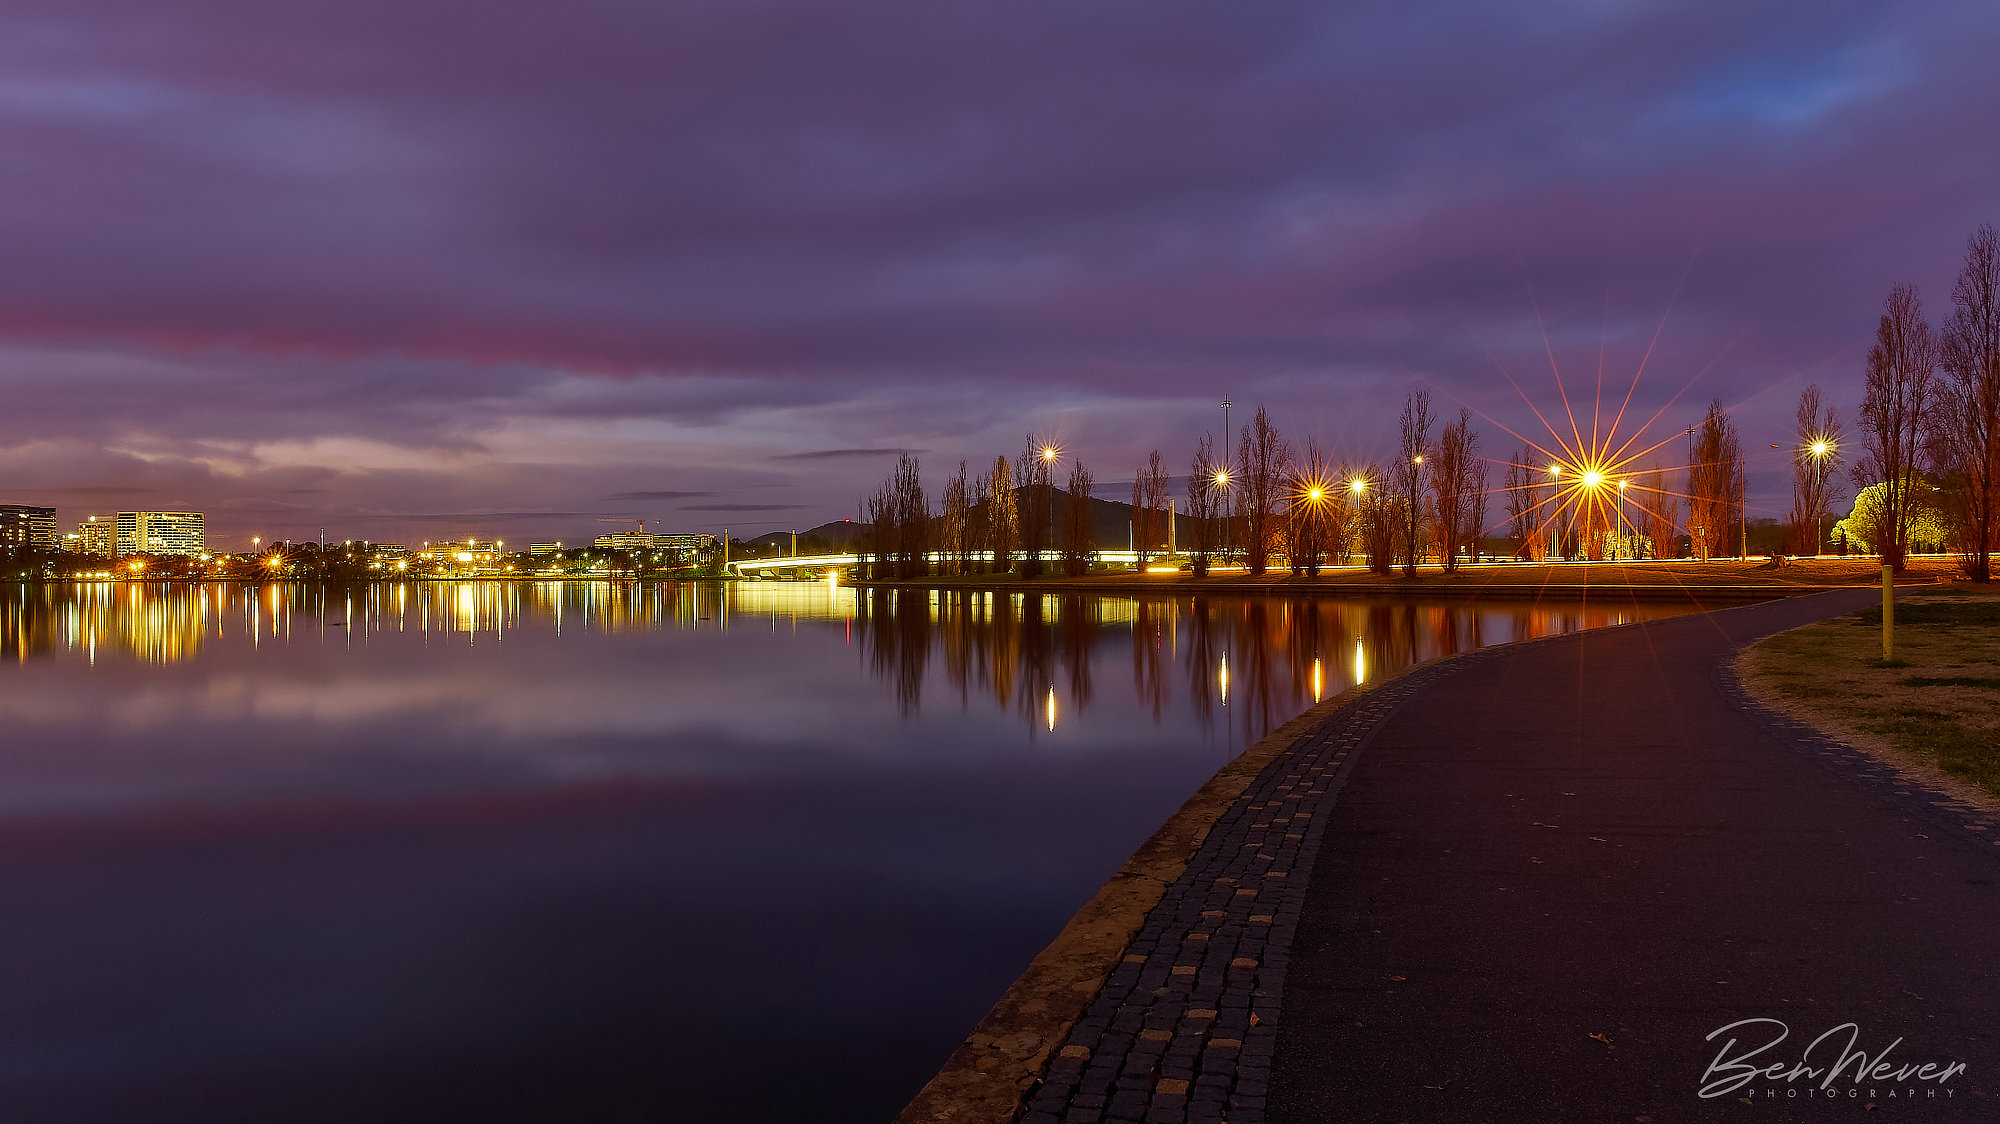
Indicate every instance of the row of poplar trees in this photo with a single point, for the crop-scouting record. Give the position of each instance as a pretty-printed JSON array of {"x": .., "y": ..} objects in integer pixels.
[
  {"x": 1269, "y": 504},
  {"x": 1929, "y": 467}
]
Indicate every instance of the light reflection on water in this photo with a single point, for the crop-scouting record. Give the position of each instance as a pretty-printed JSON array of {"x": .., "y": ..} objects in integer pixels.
[{"x": 757, "y": 852}]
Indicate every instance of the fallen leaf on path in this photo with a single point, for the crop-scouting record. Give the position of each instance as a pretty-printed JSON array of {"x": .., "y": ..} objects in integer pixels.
[
  {"x": 1539, "y": 823},
  {"x": 1399, "y": 979},
  {"x": 1602, "y": 1038}
]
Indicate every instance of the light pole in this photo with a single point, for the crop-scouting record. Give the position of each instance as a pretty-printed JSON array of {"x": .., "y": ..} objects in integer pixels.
[
  {"x": 1621, "y": 513},
  {"x": 1555, "y": 475},
  {"x": 1222, "y": 482},
  {"x": 1818, "y": 449}
]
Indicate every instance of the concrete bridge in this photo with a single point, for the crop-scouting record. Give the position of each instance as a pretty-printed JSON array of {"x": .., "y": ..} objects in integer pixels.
[{"x": 792, "y": 566}]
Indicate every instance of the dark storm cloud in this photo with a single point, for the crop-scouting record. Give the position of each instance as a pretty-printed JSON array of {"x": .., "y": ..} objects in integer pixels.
[
  {"x": 843, "y": 454},
  {"x": 449, "y": 256}
]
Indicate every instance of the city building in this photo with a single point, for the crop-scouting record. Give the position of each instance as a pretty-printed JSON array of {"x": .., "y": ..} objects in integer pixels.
[
  {"x": 27, "y": 526},
  {"x": 639, "y": 541},
  {"x": 95, "y": 535},
  {"x": 626, "y": 540},
  {"x": 474, "y": 552},
  {"x": 161, "y": 532},
  {"x": 545, "y": 548},
  {"x": 685, "y": 543}
]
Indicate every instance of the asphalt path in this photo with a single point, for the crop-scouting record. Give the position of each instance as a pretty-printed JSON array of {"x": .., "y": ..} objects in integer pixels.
[{"x": 1552, "y": 875}]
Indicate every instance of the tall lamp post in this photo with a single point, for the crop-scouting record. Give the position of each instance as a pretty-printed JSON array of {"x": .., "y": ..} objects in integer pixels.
[
  {"x": 1555, "y": 474},
  {"x": 1222, "y": 482},
  {"x": 1818, "y": 449}
]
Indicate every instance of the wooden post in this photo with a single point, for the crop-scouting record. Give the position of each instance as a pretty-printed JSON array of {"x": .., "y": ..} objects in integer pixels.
[{"x": 1888, "y": 613}]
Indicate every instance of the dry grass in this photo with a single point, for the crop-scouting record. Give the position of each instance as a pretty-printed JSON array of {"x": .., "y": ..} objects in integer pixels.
[
  {"x": 1934, "y": 712},
  {"x": 1793, "y": 576}
]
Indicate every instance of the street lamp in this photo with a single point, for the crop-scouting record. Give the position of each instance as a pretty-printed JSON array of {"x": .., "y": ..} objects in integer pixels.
[
  {"x": 1222, "y": 482},
  {"x": 1819, "y": 448},
  {"x": 1622, "y": 484},
  {"x": 1555, "y": 477}
]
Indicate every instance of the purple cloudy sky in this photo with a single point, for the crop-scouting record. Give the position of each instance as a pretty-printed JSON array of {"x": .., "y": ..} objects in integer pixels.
[{"x": 415, "y": 269}]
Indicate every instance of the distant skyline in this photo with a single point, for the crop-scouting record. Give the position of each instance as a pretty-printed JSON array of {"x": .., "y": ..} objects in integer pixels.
[{"x": 415, "y": 272}]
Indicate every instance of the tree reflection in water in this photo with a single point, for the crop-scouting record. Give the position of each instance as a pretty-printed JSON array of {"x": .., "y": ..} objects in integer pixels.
[{"x": 1249, "y": 664}]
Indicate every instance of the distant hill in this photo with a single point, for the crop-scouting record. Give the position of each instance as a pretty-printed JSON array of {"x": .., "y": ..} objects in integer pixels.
[
  {"x": 1110, "y": 518},
  {"x": 840, "y": 532}
]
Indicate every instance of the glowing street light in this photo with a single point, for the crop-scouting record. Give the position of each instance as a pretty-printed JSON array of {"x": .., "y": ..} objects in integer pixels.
[
  {"x": 1592, "y": 478},
  {"x": 1357, "y": 486}
]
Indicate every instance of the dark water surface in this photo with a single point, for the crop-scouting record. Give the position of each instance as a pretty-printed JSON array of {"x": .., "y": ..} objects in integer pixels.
[{"x": 593, "y": 852}]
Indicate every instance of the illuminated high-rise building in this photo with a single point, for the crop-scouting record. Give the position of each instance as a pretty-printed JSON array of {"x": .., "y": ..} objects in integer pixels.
[
  {"x": 97, "y": 534},
  {"x": 27, "y": 526},
  {"x": 161, "y": 532}
]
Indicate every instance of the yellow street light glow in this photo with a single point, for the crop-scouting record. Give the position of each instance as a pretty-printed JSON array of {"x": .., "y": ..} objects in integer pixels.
[
  {"x": 1358, "y": 486},
  {"x": 1222, "y": 478},
  {"x": 1048, "y": 452},
  {"x": 1592, "y": 478},
  {"x": 1315, "y": 495},
  {"x": 1418, "y": 459},
  {"x": 1555, "y": 470},
  {"x": 1821, "y": 448}
]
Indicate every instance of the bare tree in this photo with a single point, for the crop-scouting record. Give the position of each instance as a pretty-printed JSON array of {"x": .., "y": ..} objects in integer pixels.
[
  {"x": 1457, "y": 481},
  {"x": 1410, "y": 476},
  {"x": 955, "y": 522},
  {"x": 1381, "y": 520},
  {"x": 1149, "y": 506},
  {"x": 1206, "y": 506},
  {"x": 1895, "y": 405},
  {"x": 1967, "y": 430},
  {"x": 1715, "y": 462},
  {"x": 1079, "y": 529},
  {"x": 1343, "y": 516},
  {"x": 879, "y": 540},
  {"x": 1001, "y": 517},
  {"x": 1266, "y": 459},
  {"x": 1480, "y": 496},
  {"x": 1524, "y": 517},
  {"x": 912, "y": 517},
  {"x": 1661, "y": 511},
  {"x": 1815, "y": 456},
  {"x": 1033, "y": 468},
  {"x": 1306, "y": 514}
]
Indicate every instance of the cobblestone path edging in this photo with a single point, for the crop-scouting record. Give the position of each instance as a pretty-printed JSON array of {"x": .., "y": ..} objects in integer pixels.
[{"x": 1185, "y": 1027}]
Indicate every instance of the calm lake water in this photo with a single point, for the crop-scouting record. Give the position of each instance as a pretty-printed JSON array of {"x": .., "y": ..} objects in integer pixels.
[{"x": 593, "y": 852}]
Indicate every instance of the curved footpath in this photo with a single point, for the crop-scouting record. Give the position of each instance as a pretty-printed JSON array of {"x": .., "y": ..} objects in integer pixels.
[{"x": 1554, "y": 869}]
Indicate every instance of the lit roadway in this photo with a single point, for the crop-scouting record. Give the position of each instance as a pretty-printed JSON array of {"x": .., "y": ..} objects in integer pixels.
[{"x": 746, "y": 566}]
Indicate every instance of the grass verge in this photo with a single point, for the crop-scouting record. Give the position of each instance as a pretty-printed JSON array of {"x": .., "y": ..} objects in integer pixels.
[{"x": 1933, "y": 711}]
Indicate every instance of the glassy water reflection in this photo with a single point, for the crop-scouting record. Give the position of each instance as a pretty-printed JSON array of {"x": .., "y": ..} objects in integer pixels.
[{"x": 593, "y": 851}]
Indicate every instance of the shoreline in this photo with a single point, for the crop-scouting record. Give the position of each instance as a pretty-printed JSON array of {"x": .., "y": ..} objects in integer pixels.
[{"x": 985, "y": 1079}]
